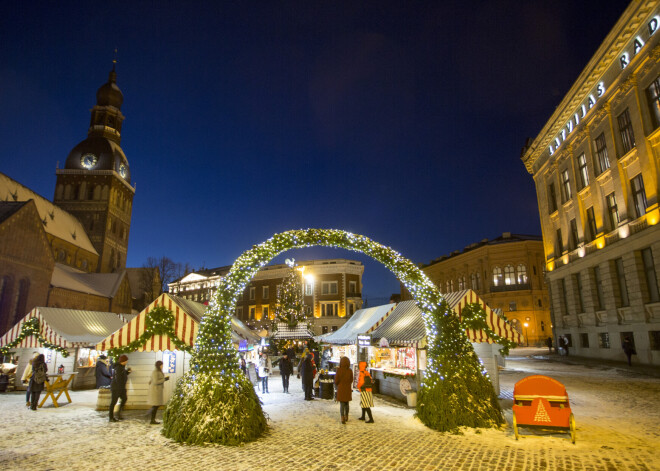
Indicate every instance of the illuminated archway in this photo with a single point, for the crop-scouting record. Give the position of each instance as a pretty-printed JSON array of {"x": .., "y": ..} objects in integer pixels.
[{"x": 216, "y": 403}]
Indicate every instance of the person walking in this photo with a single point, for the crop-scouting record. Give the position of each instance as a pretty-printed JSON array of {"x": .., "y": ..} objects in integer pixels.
[
  {"x": 103, "y": 376},
  {"x": 265, "y": 367},
  {"x": 39, "y": 377},
  {"x": 628, "y": 348},
  {"x": 25, "y": 378},
  {"x": 565, "y": 341},
  {"x": 286, "y": 368},
  {"x": 243, "y": 366},
  {"x": 548, "y": 342},
  {"x": 118, "y": 387},
  {"x": 156, "y": 387},
  {"x": 364, "y": 385},
  {"x": 344, "y": 384},
  {"x": 306, "y": 369}
]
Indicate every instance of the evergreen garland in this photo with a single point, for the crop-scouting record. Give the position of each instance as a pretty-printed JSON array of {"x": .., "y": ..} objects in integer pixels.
[
  {"x": 159, "y": 321},
  {"x": 32, "y": 327},
  {"x": 215, "y": 403},
  {"x": 473, "y": 316}
]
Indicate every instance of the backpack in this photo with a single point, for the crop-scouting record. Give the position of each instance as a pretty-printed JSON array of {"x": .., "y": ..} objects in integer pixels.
[
  {"x": 367, "y": 383},
  {"x": 40, "y": 375}
]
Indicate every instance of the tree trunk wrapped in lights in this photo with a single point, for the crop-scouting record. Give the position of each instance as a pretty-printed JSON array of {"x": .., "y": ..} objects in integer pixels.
[{"x": 216, "y": 403}]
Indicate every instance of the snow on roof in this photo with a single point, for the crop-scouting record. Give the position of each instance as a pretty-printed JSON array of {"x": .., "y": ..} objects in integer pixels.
[
  {"x": 100, "y": 284},
  {"x": 58, "y": 222}
]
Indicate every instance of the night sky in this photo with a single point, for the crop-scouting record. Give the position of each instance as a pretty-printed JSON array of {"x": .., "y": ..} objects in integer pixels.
[{"x": 401, "y": 121}]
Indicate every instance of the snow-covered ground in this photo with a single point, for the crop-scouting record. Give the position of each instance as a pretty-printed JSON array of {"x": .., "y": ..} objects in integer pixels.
[{"x": 617, "y": 413}]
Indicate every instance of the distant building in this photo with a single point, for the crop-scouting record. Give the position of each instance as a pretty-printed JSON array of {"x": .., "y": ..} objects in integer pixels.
[
  {"x": 507, "y": 273},
  {"x": 71, "y": 252},
  {"x": 332, "y": 292},
  {"x": 595, "y": 165}
]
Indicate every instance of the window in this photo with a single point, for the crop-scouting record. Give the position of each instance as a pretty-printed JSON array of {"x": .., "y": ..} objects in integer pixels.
[
  {"x": 329, "y": 287},
  {"x": 509, "y": 275},
  {"x": 654, "y": 339},
  {"x": 573, "y": 242},
  {"x": 239, "y": 312},
  {"x": 603, "y": 340},
  {"x": 513, "y": 306},
  {"x": 653, "y": 94},
  {"x": 309, "y": 289},
  {"x": 564, "y": 296},
  {"x": 612, "y": 211},
  {"x": 521, "y": 271},
  {"x": 252, "y": 293},
  {"x": 583, "y": 172},
  {"x": 352, "y": 287},
  {"x": 264, "y": 312},
  {"x": 351, "y": 309},
  {"x": 265, "y": 292},
  {"x": 329, "y": 309},
  {"x": 461, "y": 282},
  {"x": 552, "y": 198},
  {"x": 584, "y": 340},
  {"x": 324, "y": 330},
  {"x": 334, "y": 328},
  {"x": 253, "y": 311},
  {"x": 599, "y": 289},
  {"x": 560, "y": 244},
  {"x": 592, "y": 230},
  {"x": 497, "y": 276},
  {"x": 601, "y": 153},
  {"x": 639, "y": 195},
  {"x": 578, "y": 285},
  {"x": 475, "y": 280},
  {"x": 566, "y": 193},
  {"x": 626, "y": 131},
  {"x": 650, "y": 275},
  {"x": 621, "y": 278}
]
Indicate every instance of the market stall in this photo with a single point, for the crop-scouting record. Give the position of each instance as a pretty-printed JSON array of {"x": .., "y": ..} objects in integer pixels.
[
  {"x": 144, "y": 348},
  {"x": 66, "y": 337}
]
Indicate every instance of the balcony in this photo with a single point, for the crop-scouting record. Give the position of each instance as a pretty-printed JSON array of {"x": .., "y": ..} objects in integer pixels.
[{"x": 517, "y": 287}]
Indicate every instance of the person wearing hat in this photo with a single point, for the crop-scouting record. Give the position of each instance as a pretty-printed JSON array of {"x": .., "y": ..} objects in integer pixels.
[
  {"x": 118, "y": 387},
  {"x": 103, "y": 376}
]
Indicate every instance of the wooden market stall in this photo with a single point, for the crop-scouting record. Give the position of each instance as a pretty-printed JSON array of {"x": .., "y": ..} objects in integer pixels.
[
  {"x": 66, "y": 337},
  {"x": 144, "y": 349}
]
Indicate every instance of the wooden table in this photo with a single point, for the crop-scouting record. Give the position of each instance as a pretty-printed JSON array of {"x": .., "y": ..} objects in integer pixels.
[{"x": 57, "y": 384}]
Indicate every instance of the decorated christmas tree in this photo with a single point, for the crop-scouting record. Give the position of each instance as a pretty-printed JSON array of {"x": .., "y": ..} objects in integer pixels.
[{"x": 290, "y": 307}]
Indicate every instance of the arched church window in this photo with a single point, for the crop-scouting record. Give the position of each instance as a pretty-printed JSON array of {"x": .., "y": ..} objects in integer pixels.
[
  {"x": 509, "y": 275},
  {"x": 497, "y": 276},
  {"x": 522, "y": 274}
]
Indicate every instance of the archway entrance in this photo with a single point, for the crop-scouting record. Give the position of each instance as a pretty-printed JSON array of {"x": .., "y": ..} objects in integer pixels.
[{"x": 216, "y": 403}]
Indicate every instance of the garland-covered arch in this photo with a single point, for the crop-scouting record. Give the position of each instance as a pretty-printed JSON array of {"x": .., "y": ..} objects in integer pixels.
[{"x": 216, "y": 403}]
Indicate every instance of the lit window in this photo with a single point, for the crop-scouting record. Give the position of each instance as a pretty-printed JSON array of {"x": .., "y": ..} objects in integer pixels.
[
  {"x": 522, "y": 274},
  {"x": 653, "y": 94},
  {"x": 497, "y": 276},
  {"x": 583, "y": 171},
  {"x": 329, "y": 309},
  {"x": 509, "y": 275},
  {"x": 309, "y": 289},
  {"x": 264, "y": 312}
]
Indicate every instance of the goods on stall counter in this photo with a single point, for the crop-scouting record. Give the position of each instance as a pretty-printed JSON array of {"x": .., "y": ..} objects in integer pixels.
[{"x": 404, "y": 386}]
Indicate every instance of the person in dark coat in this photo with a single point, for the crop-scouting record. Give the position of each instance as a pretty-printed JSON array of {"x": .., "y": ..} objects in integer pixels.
[
  {"x": 307, "y": 375},
  {"x": 103, "y": 376},
  {"x": 36, "y": 386},
  {"x": 548, "y": 343},
  {"x": 286, "y": 368},
  {"x": 344, "y": 385},
  {"x": 628, "y": 349},
  {"x": 243, "y": 367},
  {"x": 118, "y": 387}
]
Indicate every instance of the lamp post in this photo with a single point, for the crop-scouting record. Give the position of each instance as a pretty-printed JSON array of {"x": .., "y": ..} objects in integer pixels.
[{"x": 526, "y": 338}]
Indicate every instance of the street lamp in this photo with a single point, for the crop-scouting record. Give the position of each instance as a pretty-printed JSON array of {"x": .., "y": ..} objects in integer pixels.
[{"x": 526, "y": 338}]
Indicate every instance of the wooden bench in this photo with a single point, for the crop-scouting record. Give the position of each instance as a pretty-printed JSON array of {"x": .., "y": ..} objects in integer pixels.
[{"x": 57, "y": 384}]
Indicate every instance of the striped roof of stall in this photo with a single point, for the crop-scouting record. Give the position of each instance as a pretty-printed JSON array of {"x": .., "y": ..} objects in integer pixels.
[
  {"x": 187, "y": 316},
  {"x": 67, "y": 328},
  {"x": 362, "y": 321},
  {"x": 405, "y": 326}
]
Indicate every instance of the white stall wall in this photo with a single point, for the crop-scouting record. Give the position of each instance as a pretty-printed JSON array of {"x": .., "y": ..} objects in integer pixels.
[
  {"x": 487, "y": 353},
  {"x": 53, "y": 360},
  {"x": 142, "y": 364}
]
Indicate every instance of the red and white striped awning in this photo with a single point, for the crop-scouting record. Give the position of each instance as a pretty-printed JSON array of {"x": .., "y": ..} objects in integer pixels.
[
  {"x": 186, "y": 325},
  {"x": 66, "y": 328}
]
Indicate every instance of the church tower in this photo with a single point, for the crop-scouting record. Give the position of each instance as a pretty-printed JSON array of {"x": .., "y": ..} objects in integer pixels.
[{"x": 95, "y": 183}]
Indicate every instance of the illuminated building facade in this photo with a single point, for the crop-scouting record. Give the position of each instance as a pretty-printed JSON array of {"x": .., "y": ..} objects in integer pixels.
[
  {"x": 332, "y": 292},
  {"x": 595, "y": 165},
  {"x": 507, "y": 273}
]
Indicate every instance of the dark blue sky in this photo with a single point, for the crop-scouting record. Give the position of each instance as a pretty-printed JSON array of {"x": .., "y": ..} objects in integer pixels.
[{"x": 402, "y": 121}]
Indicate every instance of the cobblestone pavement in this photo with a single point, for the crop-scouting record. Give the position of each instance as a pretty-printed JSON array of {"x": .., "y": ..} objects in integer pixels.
[{"x": 617, "y": 416}]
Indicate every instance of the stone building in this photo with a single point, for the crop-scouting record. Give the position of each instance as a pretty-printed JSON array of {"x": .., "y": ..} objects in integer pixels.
[
  {"x": 595, "y": 164},
  {"x": 507, "y": 273},
  {"x": 332, "y": 292},
  {"x": 71, "y": 252}
]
